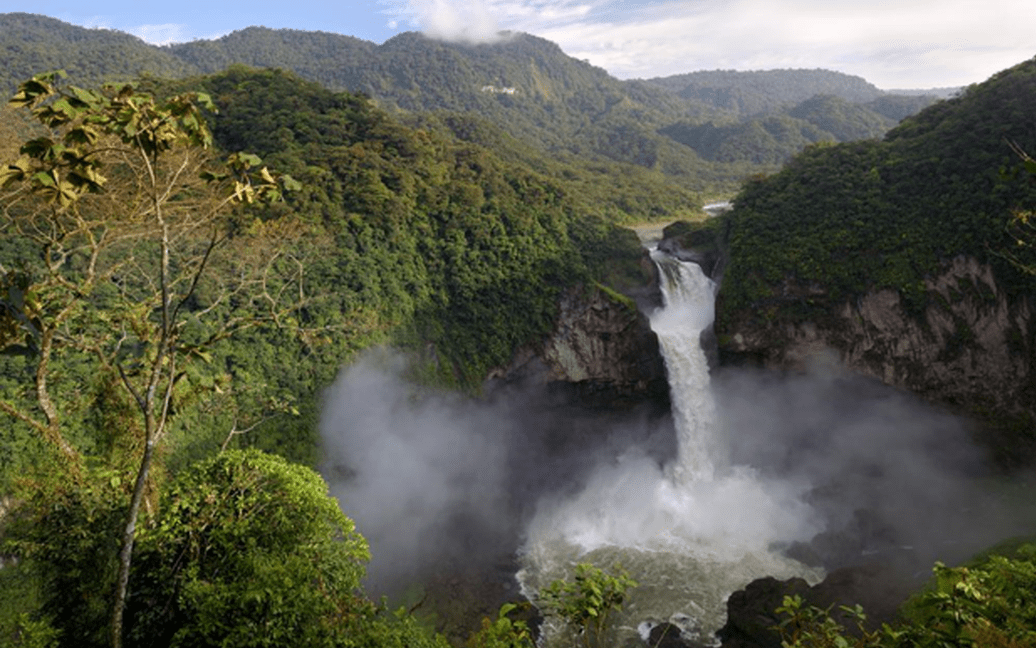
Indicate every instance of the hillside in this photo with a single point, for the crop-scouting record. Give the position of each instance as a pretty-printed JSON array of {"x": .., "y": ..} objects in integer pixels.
[
  {"x": 524, "y": 85},
  {"x": 30, "y": 44},
  {"x": 917, "y": 223},
  {"x": 760, "y": 92}
]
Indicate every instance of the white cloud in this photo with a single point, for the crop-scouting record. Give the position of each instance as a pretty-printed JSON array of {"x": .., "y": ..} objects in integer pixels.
[
  {"x": 454, "y": 20},
  {"x": 904, "y": 43},
  {"x": 161, "y": 34}
]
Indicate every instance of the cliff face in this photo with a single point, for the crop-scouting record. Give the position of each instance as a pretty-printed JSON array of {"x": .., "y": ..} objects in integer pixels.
[
  {"x": 971, "y": 349},
  {"x": 602, "y": 345}
]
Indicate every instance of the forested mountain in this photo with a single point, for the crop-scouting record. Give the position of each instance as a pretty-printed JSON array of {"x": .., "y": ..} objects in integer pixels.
[
  {"x": 30, "y": 44},
  {"x": 923, "y": 223},
  {"x": 770, "y": 115},
  {"x": 399, "y": 235},
  {"x": 940, "y": 184},
  {"x": 706, "y": 130},
  {"x": 761, "y": 92}
]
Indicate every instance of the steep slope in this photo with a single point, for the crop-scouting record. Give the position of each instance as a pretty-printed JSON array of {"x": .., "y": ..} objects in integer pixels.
[{"x": 895, "y": 254}]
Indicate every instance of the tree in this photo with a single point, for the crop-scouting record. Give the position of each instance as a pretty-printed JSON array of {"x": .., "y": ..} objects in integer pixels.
[
  {"x": 1022, "y": 226},
  {"x": 121, "y": 209},
  {"x": 248, "y": 550}
]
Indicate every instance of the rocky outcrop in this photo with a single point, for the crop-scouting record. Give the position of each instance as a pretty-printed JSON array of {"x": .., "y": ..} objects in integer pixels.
[
  {"x": 971, "y": 348},
  {"x": 602, "y": 345},
  {"x": 752, "y": 618}
]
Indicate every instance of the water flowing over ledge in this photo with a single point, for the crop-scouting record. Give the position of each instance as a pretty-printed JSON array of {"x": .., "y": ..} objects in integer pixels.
[{"x": 691, "y": 532}]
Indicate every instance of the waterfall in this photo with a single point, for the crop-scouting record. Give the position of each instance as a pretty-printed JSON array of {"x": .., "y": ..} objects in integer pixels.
[
  {"x": 690, "y": 533},
  {"x": 688, "y": 309}
]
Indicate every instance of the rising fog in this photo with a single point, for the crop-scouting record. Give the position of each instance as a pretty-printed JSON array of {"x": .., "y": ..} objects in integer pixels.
[{"x": 853, "y": 469}]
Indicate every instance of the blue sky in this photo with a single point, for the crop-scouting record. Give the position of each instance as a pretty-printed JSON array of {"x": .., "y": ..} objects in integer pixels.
[{"x": 892, "y": 43}]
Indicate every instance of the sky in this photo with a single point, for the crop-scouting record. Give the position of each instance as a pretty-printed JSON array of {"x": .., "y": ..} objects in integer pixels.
[{"x": 891, "y": 43}]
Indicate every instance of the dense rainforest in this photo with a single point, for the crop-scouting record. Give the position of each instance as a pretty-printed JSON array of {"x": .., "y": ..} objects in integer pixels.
[
  {"x": 851, "y": 217},
  {"x": 385, "y": 234},
  {"x": 840, "y": 226},
  {"x": 703, "y": 132},
  {"x": 399, "y": 194}
]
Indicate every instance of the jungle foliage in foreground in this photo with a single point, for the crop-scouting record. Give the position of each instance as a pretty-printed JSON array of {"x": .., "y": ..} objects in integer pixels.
[
  {"x": 400, "y": 235},
  {"x": 152, "y": 303}
]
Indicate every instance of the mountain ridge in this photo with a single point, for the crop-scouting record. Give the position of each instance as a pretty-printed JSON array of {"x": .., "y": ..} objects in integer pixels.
[{"x": 564, "y": 106}]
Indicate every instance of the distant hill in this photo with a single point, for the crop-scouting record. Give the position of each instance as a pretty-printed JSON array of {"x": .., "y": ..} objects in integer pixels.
[
  {"x": 760, "y": 92},
  {"x": 329, "y": 59},
  {"x": 31, "y": 43},
  {"x": 695, "y": 128}
]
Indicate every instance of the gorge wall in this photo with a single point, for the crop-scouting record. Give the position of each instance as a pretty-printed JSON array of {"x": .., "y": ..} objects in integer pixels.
[
  {"x": 971, "y": 349},
  {"x": 602, "y": 347}
]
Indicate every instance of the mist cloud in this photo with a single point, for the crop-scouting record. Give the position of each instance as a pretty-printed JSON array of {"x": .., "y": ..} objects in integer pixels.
[
  {"x": 451, "y": 20},
  {"x": 161, "y": 34},
  {"x": 824, "y": 458},
  {"x": 417, "y": 471}
]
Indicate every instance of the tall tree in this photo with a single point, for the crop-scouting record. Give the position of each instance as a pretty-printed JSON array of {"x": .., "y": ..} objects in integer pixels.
[{"x": 125, "y": 208}]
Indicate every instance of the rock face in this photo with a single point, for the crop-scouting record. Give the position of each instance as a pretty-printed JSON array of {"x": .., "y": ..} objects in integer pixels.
[
  {"x": 971, "y": 348},
  {"x": 602, "y": 345}
]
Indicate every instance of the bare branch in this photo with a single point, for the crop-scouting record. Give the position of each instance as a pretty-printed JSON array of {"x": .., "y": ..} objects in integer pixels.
[{"x": 236, "y": 432}]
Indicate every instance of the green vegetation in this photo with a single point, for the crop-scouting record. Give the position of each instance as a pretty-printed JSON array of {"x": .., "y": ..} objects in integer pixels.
[
  {"x": 110, "y": 282},
  {"x": 840, "y": 220},
  {"x": 766, "y": 91},
  {"x": 587, "y": 601},
  {"x": 563, "y": 108},
  {"x": 502, "y": 632},
  {"x": 170, "y": 308},
  {"x": 148, "y": 324},
  {"x": 991, "y": 601},
  {"x": 246, "y": 549}
]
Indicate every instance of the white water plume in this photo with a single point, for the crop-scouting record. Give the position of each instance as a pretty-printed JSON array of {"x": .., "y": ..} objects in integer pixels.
[
  {"x": 688, "y": 297},
  {"x": 691, "y": 532}
]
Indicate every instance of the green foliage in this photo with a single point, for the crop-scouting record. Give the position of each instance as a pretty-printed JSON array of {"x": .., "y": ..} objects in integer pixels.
[
  {"x": 248, "y": 550},
  {"x": 840, "y": 220},
  {"x": 65, "y": 536},
  {"x": 30, "y": 633},
  {"x": 765, "y": 91},
  {"x": 503, "y": 632},
  {"x": 807, "y": 626},
  {"x": 32, "y": 42},
  {"x": 437, "y": 243},
  {"x": 586, "y": 602},
  {"x": 989, "y": 602}
]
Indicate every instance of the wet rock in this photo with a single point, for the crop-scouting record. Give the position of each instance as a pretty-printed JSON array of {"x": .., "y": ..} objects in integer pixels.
[
  {"x": 751, "y": 613},
  {"x": 667, "y": 635},
  {"x": 602, "y": 346}
]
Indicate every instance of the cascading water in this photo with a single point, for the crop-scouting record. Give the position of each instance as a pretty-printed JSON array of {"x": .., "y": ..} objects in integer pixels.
[
  {"x": 688, "y": 298},
  {"x": 690, "y": 533}
]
